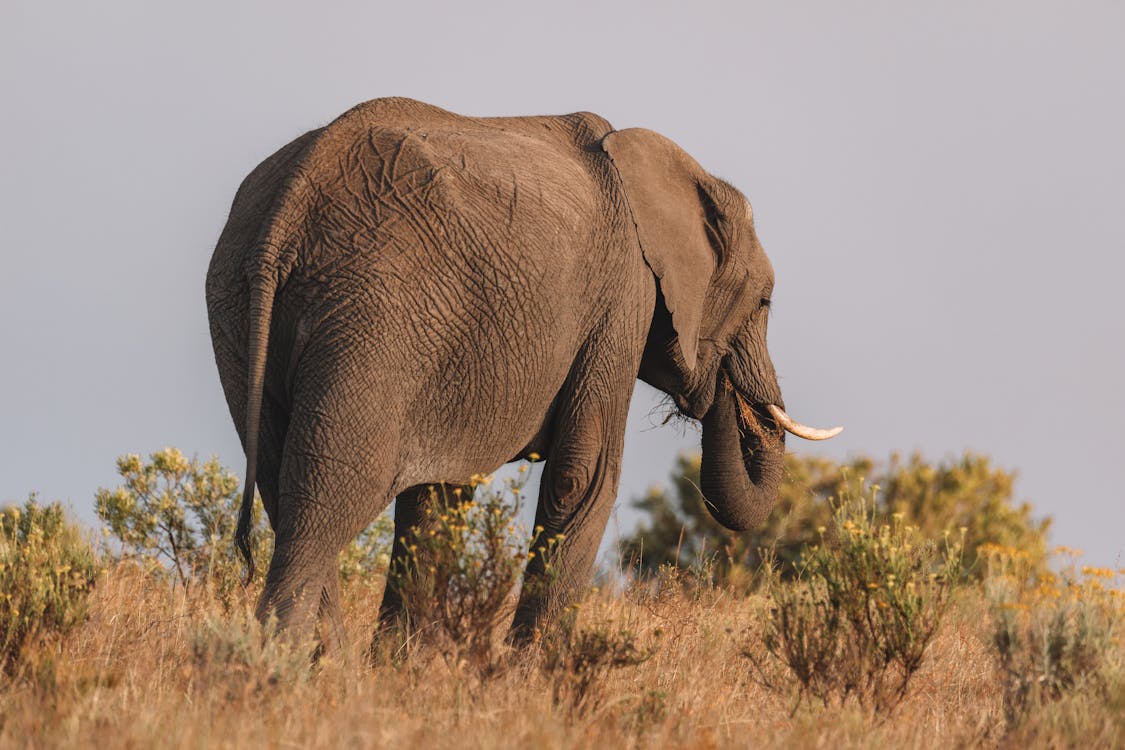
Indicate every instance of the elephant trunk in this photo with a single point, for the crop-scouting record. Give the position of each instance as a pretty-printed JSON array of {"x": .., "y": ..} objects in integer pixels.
[{"x": 743, "y": 456}]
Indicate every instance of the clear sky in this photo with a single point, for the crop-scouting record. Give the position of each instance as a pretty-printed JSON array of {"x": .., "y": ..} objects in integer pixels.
[{"x": 941, "y": 189}]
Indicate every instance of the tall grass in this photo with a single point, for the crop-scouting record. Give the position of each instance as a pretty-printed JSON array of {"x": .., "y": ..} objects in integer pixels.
[{"x": 661, "y": 663}]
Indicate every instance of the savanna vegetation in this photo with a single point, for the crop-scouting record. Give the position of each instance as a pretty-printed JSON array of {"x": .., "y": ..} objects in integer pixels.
[{"x": 908, "y": 604}]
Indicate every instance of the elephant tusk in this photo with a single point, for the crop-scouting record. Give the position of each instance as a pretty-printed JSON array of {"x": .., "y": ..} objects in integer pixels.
[{"x": 798, "y": 429}]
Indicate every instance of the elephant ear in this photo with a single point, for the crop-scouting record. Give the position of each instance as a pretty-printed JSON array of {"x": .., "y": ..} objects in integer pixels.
[{"x": 666, "y": 191}]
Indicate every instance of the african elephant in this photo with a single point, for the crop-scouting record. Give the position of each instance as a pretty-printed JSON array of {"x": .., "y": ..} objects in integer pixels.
[{"x": 408, "y": 296}]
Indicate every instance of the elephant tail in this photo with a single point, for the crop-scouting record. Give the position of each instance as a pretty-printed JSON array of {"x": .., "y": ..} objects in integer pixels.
[
  {"x": 275, "y": 256},
  {"x": 263, "y": 285}
]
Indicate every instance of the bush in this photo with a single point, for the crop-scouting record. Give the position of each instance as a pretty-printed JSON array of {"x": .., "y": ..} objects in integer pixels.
[
  {"x": 864, "y": 605},
  {"x": 182, "y": 515},
  {"x": 47, "y": 569},
  {"x": 461, "y": 567},
  {"x": 681, "y": 532},
  {"x": 970, "y": 494},
  {"x": 967, "y": 493},
  {"x": 1055, "y": 634}
]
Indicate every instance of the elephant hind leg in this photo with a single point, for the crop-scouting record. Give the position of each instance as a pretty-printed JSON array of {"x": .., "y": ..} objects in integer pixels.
[
  {"x": 331, "y": 633},
  {"x": 334, "y": 481},
  {"x": 302, "y": 589},
  {"x": 298, "y": 587}
]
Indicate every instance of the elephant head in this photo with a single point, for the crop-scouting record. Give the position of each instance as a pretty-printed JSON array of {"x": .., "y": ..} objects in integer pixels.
[{"x": 707, "y": 343}]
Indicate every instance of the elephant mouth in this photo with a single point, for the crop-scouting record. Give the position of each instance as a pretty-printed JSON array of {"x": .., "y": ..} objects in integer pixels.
[
  {"x": 764, "y": 420},
  {"x": 755, "y": 418}
]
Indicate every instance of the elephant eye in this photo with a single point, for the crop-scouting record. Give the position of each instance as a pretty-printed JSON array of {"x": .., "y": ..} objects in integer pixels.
[{"x": 764, "y": 302}]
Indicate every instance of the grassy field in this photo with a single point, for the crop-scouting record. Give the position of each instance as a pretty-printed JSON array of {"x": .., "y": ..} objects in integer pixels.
[
  {"x": 153, "y": 666},
  {"x": 886, "y": 638}
]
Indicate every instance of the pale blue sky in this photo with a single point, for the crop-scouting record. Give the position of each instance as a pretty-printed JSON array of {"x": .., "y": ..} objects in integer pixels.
[{"x": 941, "y": 190}]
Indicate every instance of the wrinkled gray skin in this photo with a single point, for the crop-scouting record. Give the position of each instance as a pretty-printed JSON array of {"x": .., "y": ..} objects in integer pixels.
[{"x": 408, "y": 296}]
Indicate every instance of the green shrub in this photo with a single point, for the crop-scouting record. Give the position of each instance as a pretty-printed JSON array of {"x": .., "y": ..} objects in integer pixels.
[
  {"x": 47, "y": 569},
  {"x": 863, "y": 607},
  {"x": 182, "y": 514},
  {"x": 968, "y": 493},
  {"x": 971, "y": 494},
  {"x": 680, "y": 531}
]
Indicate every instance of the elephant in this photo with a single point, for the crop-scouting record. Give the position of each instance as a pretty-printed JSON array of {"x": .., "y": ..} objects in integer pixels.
[{"x": 407, "y": 296}]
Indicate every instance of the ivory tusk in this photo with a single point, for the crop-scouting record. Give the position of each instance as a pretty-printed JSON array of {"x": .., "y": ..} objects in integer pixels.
[{"x": 798, "y": 429}]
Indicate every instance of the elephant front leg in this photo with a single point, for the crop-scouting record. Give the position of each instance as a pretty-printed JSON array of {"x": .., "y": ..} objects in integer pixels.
[{"x": 576, "y": 497}]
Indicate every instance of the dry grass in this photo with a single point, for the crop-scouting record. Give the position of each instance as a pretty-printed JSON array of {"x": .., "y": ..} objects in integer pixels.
[
  {"x": 153, "y": 666},
  {"x": 1017, "y": 658}
]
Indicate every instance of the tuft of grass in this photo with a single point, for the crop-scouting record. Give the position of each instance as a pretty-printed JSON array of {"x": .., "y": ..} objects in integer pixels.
[
  {"x": 47, "y": 569},
  {"x": 1057, "y": 635},
  {"x": 233, "y": 655},
  {"x": 578, "y": 660}
]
